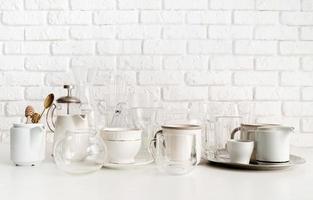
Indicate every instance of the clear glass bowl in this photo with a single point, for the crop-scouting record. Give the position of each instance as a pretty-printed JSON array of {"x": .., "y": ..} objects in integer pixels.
[{"x": 80, "y": 151}]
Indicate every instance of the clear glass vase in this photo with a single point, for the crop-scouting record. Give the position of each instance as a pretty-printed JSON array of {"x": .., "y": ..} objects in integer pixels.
[{"x": 80, "y": 151}]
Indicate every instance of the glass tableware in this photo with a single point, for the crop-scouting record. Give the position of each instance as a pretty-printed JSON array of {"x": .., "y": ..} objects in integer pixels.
[
  {"x": 84, "y": 78},
  {"x": 80, "y": 151},
  {"x": 175, "y": 150},
  {"x": 66, "y": 115},
  {"x": 223, "y": 127},
  {"x": 209, "y": 146},
  {"x": 119, "y": 118},
  {"x": 145, "y": 118}
]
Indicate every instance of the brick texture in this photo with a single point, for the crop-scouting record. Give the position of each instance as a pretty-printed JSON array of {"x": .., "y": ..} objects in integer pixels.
[{"x": 222, "y": 52}]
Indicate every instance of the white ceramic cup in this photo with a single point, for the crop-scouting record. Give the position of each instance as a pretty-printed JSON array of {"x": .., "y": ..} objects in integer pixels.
[
  {"x": 27, "y": 144},
  {"x": 123, "y": 144},
  {"x": 240, "y": 151},
  {"x": 177, "y": 139}
]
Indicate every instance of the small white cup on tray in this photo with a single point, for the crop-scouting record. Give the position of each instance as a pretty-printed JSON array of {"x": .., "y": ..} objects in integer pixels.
[{"x": 240, "y": 151}]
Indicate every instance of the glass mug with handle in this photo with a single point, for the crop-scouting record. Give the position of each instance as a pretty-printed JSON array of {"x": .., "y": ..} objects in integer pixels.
[{"x": 174, "y": 148}]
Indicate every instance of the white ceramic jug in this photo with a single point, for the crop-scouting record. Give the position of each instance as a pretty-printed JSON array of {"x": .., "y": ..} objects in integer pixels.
[
  {"x": 272, "y": 143},
  {"x": 65, "y": 123},
  {"x": 27, "y": 144}
]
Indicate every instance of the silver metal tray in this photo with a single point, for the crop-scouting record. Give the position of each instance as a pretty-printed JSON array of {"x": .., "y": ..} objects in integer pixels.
[{"x": 225, "y": 162}]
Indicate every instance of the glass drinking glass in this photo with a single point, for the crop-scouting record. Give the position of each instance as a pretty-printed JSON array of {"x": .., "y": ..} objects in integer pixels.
[
  {"x": 223, "y": 127},
  {"x": 145, "y": 118},
  {"x": 80, "y": 151},
  {"x": 84, "y": 78},
  {"x": 209, "y": 146},
  {"x": 175, "y": 153}
]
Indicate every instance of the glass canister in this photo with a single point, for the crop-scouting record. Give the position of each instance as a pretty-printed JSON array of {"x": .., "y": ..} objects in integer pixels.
[{"x": 80, "y": 151}]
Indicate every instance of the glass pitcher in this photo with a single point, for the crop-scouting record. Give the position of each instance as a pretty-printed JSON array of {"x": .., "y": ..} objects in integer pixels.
[{"x": 80, "y": 151}]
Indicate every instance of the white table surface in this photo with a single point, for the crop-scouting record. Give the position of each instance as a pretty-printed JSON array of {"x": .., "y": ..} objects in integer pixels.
[{"x": 45, "y": 182}]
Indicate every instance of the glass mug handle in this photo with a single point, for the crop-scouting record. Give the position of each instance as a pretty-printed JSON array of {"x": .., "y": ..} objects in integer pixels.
[
  {"x": 152, "y": 145},
  {"x": 232, "y": 135}
]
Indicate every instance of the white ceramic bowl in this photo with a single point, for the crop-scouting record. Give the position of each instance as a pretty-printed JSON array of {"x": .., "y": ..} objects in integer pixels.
[
  {"x": 122, "y": 152},
  {"x": 120, "y": 134},
  {"x": 123, "y": 144}
]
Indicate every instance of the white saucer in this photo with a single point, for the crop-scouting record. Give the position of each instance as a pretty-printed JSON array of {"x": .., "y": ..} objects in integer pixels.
[{"x": 138, "y": 162}]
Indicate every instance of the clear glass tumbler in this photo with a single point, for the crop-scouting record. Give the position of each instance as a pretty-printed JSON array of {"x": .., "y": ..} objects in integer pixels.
[
  {"x": 223, "y": 127},
  {"x": 80, "y": 151},
  {"x": 175, "y": 153},
  {"x": 145, "y": 118}
]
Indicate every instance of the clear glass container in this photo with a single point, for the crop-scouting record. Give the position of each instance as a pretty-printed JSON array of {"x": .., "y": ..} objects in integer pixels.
[
  {"x": 80, "y": 151},
  {"x": 175, "y": 153},
  {"x": 224, "y": 126},
  {"x": 145, "y": 118}
]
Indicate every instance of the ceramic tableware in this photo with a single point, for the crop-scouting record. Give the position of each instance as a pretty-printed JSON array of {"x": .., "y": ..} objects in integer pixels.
[
  {"x": 225, "y": 162},
  {"x": 272, "y": 143},
  {"x": 123, "y": 144},
  {"x": 240, "y": 150},
  {"x": 27, "y": 144},
  {"x": 247, "y": 132}
]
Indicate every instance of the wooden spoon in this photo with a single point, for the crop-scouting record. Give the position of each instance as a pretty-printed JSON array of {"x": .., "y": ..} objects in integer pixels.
[{"x": 47, "y": 103}]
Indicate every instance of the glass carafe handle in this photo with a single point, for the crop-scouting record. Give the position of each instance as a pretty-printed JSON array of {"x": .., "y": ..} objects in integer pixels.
[
  {"x": 51, "y": 127},
  {"x": 152, "y": 145}
]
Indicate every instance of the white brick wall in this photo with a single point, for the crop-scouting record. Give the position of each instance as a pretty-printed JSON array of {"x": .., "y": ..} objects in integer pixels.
[{"x": 218, "y": 51}]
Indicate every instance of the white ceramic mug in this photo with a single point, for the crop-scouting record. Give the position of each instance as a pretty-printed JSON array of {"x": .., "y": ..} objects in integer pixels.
[
  {"x": 240, "y": 151},
  {"x": 27, "y": 144},
  {"x": 272, "y": 143},
  {"x": 176, "y": 144},
  {"x": 123, "y": 144}
]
